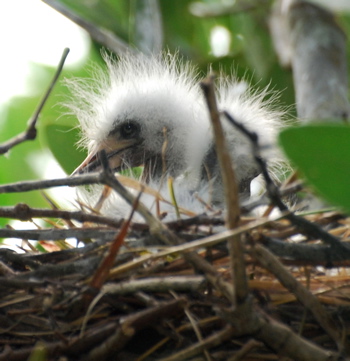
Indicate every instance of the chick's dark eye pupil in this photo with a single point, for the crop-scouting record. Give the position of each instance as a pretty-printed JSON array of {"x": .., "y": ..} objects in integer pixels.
[{"x": 128, "y": 129}]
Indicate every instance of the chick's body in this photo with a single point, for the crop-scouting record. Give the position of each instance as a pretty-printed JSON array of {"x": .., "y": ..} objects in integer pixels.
[{"x": 150, "y": 111}]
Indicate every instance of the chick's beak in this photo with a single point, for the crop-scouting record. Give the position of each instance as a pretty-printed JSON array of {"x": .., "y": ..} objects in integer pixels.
[{"x": 114, "y": 151}]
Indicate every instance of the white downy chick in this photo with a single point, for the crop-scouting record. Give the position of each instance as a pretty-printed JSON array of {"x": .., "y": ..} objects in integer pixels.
[{"x": 150, "y": 112}]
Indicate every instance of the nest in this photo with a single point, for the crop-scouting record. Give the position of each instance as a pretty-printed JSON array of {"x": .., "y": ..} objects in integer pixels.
[{"x": 126, "y": 297}]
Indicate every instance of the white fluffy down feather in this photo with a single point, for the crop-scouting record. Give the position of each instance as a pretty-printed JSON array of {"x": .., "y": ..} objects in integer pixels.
[{"x": 150, "y": 111}]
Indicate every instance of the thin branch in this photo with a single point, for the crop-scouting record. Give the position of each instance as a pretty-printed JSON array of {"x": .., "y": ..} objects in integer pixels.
[
  {"x": 30, "y": 133},
  {"x": 303, "y": 225},
  {"x": 227, "y": 171},
  {"x": 155, "y": 284},
  {"x": 236, "y": 249},
  {"x": 245, "y": 350},
  {"x": 25, "y": 213},
  {"x": 57, "y": 234},
  {"x": 26, "y": 186}
]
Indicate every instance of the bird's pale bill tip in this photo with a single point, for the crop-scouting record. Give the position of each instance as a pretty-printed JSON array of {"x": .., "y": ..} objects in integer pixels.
[{"x": 80, "y": 169}]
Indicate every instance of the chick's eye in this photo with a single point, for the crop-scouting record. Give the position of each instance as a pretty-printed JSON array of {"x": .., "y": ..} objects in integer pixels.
[{"x": 129, "y": 130}]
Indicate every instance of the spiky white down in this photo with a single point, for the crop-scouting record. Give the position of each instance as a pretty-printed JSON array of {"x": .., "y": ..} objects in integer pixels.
[{"x": 163, "y": 92}]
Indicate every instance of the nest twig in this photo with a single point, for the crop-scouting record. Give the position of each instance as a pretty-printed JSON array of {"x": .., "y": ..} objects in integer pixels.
[{"x": 136, "y": 313}]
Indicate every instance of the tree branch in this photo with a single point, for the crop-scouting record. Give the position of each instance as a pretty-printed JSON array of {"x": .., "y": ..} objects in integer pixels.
[{"x": 30, "y": 133}]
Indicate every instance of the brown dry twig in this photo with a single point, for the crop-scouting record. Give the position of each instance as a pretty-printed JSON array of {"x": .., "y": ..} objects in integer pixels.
[{"x": 235, "y": 245}]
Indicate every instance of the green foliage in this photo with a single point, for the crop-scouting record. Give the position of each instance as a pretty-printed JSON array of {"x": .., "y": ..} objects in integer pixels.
[
  {"x": 39, "y": 353},
  {"x": 108, "y": 14},
  {"x": 321, "y": 153},
  {"x": 62, "y": 141},
  {"x": 135, "y": 172}
]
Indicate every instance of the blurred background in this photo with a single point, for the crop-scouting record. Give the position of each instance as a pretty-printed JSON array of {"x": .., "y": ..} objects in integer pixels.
[{"x": 228, "y": 35}]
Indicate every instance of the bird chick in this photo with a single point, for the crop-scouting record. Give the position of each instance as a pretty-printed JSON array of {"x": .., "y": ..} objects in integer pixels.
[{"x": 150, "y": 112}]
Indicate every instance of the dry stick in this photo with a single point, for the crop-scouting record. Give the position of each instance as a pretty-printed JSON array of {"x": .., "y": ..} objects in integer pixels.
[
  {"x": 245, "y": 350},
  {"x": 235, "y": 245},
  {"x": 30, "y": 133},
  {"x": 211, "y": 341},
  {"x": 58, "y": 234},
  {"x": 227, "y": 172},
  {"x": 303, "y": 225},
  {"x": 272, "y": 264},
  {"x": 155, "y": 284},
  {"x": 26, "y": 186},
  {"x": 23, "y": 212}
]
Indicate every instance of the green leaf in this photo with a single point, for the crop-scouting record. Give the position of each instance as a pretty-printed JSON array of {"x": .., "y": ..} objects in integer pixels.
[
  {"x": 134, "y": 173},
  {"x": 322, "y": 153},
  {"x": 62, "y": 141},
  {"x": 39, "y": 352},
  {"x": 106, "y": 14}
]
